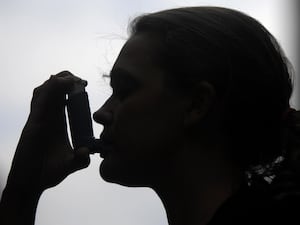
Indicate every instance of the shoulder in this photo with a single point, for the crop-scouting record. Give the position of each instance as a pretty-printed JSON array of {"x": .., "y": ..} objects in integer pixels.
[
  {"x": 260, "y": 207},
  {"x": 285, "y": 192}
]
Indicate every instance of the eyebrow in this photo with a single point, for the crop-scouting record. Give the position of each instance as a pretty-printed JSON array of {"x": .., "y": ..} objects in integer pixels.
[{"x": 121, "y": 74}]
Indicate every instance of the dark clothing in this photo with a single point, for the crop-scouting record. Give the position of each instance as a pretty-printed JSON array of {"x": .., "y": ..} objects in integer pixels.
[{"x": 261, "y": 206}]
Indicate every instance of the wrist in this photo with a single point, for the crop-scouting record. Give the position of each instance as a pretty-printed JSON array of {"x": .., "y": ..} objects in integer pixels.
[
  {"x": 18, "y": 206},
  {"x": 19, "y": 195}
]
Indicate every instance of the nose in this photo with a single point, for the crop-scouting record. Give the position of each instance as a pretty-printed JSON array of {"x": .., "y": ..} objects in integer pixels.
[{"x": 104, "y": 115}]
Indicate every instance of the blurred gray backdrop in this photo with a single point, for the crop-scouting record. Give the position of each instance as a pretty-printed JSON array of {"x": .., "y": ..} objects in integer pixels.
[{"x": 43, "y": 37}]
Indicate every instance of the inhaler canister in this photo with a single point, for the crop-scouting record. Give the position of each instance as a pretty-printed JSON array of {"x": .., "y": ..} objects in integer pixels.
[{"x": 79, "y": 115}]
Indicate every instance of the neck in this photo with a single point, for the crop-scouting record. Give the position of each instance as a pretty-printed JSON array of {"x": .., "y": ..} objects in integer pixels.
[{"x": 194, "y": 189}]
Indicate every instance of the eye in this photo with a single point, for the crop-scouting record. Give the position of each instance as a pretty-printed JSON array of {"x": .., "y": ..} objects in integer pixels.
[
  {"x": 122, "y": 91},
  {"x": 123, "y": 83}
]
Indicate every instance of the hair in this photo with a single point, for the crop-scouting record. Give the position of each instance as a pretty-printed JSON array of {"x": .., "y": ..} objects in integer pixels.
[{"x": 241, "y": 59}]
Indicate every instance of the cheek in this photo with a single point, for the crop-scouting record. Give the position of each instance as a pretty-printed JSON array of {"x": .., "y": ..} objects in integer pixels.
[
  {"x": 148, "y": 128},
  {"x": 147, "y": 131},
  {"x": 145, "y": 144}
]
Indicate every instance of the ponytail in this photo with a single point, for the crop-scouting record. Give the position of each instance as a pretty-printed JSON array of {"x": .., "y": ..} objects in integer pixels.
[
  {"x": 292, "y": 139},
  {"x": 286, "y": 183},
  {"x": 283, "y": 173}
]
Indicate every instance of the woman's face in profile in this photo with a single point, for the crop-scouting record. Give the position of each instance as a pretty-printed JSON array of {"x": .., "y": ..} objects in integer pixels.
[{"x": 143, "y": 120}]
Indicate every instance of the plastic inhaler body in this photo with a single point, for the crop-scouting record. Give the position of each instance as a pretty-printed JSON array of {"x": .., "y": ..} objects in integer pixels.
[{"x": 80, "y": 121}]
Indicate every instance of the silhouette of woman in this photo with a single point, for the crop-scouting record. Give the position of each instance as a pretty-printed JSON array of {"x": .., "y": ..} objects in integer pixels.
[{"x": 199, "y": 113}]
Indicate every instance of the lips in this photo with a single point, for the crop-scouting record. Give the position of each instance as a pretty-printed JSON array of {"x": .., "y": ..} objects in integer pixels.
[
  {"x": 105, "y": 148},
  {"x": 105, "y": 138},
  {"x": 105, "y": 145}
]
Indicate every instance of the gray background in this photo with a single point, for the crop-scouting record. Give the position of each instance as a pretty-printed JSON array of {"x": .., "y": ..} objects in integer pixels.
[{"x": 40, "y": 38}]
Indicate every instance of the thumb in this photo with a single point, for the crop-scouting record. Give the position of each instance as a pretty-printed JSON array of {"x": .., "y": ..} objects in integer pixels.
[{"x": 80, "y": 159}]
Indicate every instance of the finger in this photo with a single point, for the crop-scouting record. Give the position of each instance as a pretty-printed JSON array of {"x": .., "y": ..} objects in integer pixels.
[
  {"x": 59, "y": 83},
  {"x": 68, "y": 74},
  {"x": 49, "y": 100},
  {"x": 54, "y": 87},
  {"x": 48, "y": 105},
  {"x": 52, "y": 93},
  {"x": 80, "y": 160}
]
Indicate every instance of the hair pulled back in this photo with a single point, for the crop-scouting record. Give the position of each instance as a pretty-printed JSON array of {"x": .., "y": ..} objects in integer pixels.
[{"x": 241, "y": 59}]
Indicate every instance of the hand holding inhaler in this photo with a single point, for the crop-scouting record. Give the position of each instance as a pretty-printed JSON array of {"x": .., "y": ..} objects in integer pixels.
[{"x": 44, "y": 156}]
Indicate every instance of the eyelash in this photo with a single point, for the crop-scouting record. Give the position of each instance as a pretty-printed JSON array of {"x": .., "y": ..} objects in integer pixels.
[
  {"x": 121, "y": 91},
  {"x": 106, "y": 77}
]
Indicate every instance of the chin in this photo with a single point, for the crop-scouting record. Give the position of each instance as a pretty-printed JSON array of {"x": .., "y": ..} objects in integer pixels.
[{"x": 125, "y": 177}]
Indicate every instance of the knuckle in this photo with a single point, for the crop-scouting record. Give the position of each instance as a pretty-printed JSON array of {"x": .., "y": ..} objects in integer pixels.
[
  {"x": 68, "y": 75},
  {"x": 36, "y": 91},
  {"x": 56, "y": 83},
  {"x": 64, "y": 73}
]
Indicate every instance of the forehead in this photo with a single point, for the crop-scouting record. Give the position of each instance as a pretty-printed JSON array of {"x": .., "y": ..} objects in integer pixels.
[{"x": 139, "y": 57}]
